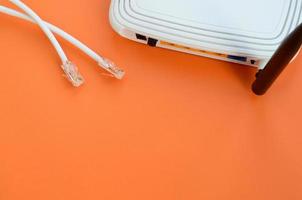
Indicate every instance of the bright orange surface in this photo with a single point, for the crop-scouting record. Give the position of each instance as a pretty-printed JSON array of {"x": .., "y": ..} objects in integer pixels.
[{"x": 178, "y": 127}]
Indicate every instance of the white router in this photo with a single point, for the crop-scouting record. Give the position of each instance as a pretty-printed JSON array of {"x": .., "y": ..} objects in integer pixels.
[{"x": 247, "y": 32}]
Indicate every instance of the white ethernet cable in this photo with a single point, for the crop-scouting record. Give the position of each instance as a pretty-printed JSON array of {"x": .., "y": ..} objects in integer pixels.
[
  {"x": 102, "y": 62},
  {"x": 69, "y": 68}
]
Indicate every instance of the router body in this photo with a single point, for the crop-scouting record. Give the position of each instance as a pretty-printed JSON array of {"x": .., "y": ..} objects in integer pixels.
[{"x": 244, "y": 32}]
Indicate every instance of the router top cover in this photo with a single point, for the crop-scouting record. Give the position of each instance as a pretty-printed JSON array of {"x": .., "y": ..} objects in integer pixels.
[{"x": 245, "y": 32}]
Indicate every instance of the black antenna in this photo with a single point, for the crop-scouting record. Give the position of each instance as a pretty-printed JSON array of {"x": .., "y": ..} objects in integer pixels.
[{"x": 282, "y": 57}]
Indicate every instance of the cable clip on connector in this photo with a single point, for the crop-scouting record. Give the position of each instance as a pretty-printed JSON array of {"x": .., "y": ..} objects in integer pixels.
[
  {"x": 109, "y": 66},
  {"x": 72, "y": 74}
]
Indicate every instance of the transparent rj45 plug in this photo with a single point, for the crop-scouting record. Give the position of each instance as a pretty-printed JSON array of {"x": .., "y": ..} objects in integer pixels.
[
  {"x": 72, "y": 74},
  {"x": 112, "y": 68}
]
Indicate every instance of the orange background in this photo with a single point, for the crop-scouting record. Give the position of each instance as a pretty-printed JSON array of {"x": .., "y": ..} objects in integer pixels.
[{"x": 178, "y": 127}]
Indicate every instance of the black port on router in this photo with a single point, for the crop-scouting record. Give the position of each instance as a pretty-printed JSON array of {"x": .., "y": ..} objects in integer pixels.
[
  {"x": 152, "y": 42},
  {"x": 237, "y": 58},
  {"x": 253, "y": 62},
  {"x": 141, "y": 37}
]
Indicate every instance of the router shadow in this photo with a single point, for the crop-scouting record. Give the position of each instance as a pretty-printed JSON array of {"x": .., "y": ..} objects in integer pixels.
[
  {"x": 177, "y": 64},
  {"x": 244, "y": 74}
]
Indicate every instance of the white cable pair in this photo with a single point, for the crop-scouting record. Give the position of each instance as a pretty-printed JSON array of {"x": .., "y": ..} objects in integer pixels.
[{"x": 70, "y": 69}]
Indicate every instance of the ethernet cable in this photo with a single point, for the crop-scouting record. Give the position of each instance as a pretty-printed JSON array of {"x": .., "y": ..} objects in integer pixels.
[
  {"x": 104, "y": 63},
  {"x": 69, "y": 68}
]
